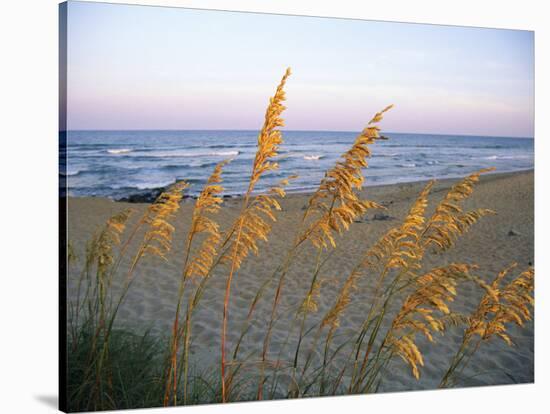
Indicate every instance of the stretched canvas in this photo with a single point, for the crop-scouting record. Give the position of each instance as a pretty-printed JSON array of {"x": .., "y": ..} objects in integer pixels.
[{"x": 260, "y": 207}]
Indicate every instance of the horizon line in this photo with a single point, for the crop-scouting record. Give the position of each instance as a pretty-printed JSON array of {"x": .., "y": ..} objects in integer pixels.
[{"x": 287, "y": 130}]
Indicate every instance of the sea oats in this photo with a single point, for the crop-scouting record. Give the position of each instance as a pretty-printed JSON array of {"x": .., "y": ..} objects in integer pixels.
[
  {"x": 336, "y": 203},
  {"x": 497, "y": 309},
  {"x": 110, "y": 237},
  {"x": 198, "y": 265},
  {"x": 157, "y": 240},
  {"x": 433, "y": 292},
  {"x": 449, "y": 221},
  {"x": 252, "y": 223},
  {"x": 208, "y": 204},
  {"x": 409, "y": 299}
]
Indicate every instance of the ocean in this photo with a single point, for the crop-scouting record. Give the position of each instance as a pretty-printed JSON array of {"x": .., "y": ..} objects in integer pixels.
[{"x": 117, "y": 164}]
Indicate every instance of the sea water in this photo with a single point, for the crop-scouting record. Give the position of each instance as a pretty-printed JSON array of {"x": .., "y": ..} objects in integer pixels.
[{"x": 116, "y": 164}]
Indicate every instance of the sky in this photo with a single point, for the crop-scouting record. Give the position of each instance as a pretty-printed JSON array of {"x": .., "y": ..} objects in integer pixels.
[{"x": 140, "y": 67}]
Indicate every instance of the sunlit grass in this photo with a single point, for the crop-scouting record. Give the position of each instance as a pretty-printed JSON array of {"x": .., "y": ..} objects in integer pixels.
[{"x": 111, "y": 368}]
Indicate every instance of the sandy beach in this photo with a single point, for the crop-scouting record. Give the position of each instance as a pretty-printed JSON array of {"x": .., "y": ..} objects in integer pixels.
[{"x": 493, "y": 243}]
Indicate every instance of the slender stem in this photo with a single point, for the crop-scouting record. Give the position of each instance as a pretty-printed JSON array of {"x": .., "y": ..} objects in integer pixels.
[
  {"x": 187, "y": 336},
  {"x": 279, "y": 356},
  {"x": 325, "y": 357},
  {"x": 305, "y": 312},
  {"x": 457, "y": 359},
  {"x": 172, "y": 376},
  {"x": 290, "y": 255},
  {"x": 239, "y": 227},
  {"x": 224, "y": 329},
  {"x": 374, "y": 333},
  {"x": 310, "y": 356},
  {"x": 192, "y": 305}
]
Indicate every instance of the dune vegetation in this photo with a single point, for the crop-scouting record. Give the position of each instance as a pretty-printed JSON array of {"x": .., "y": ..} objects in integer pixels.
[{"x": 111, "y": 367}]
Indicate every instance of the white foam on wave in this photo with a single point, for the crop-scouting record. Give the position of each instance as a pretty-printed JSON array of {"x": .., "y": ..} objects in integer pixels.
[
  {"x": 153, "y": 184},
  {"x": 178, "y": 154},
  {"x": 507, "y": 157},
  {"x": 143, "y": 185},
  {"x": 312, "y": 157},
  {"x": 224, "y": 153},
  {"x": 408, "y": 165},
  {"x": 69, "y": 173},
  {"x": 119, "y": 151}
]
